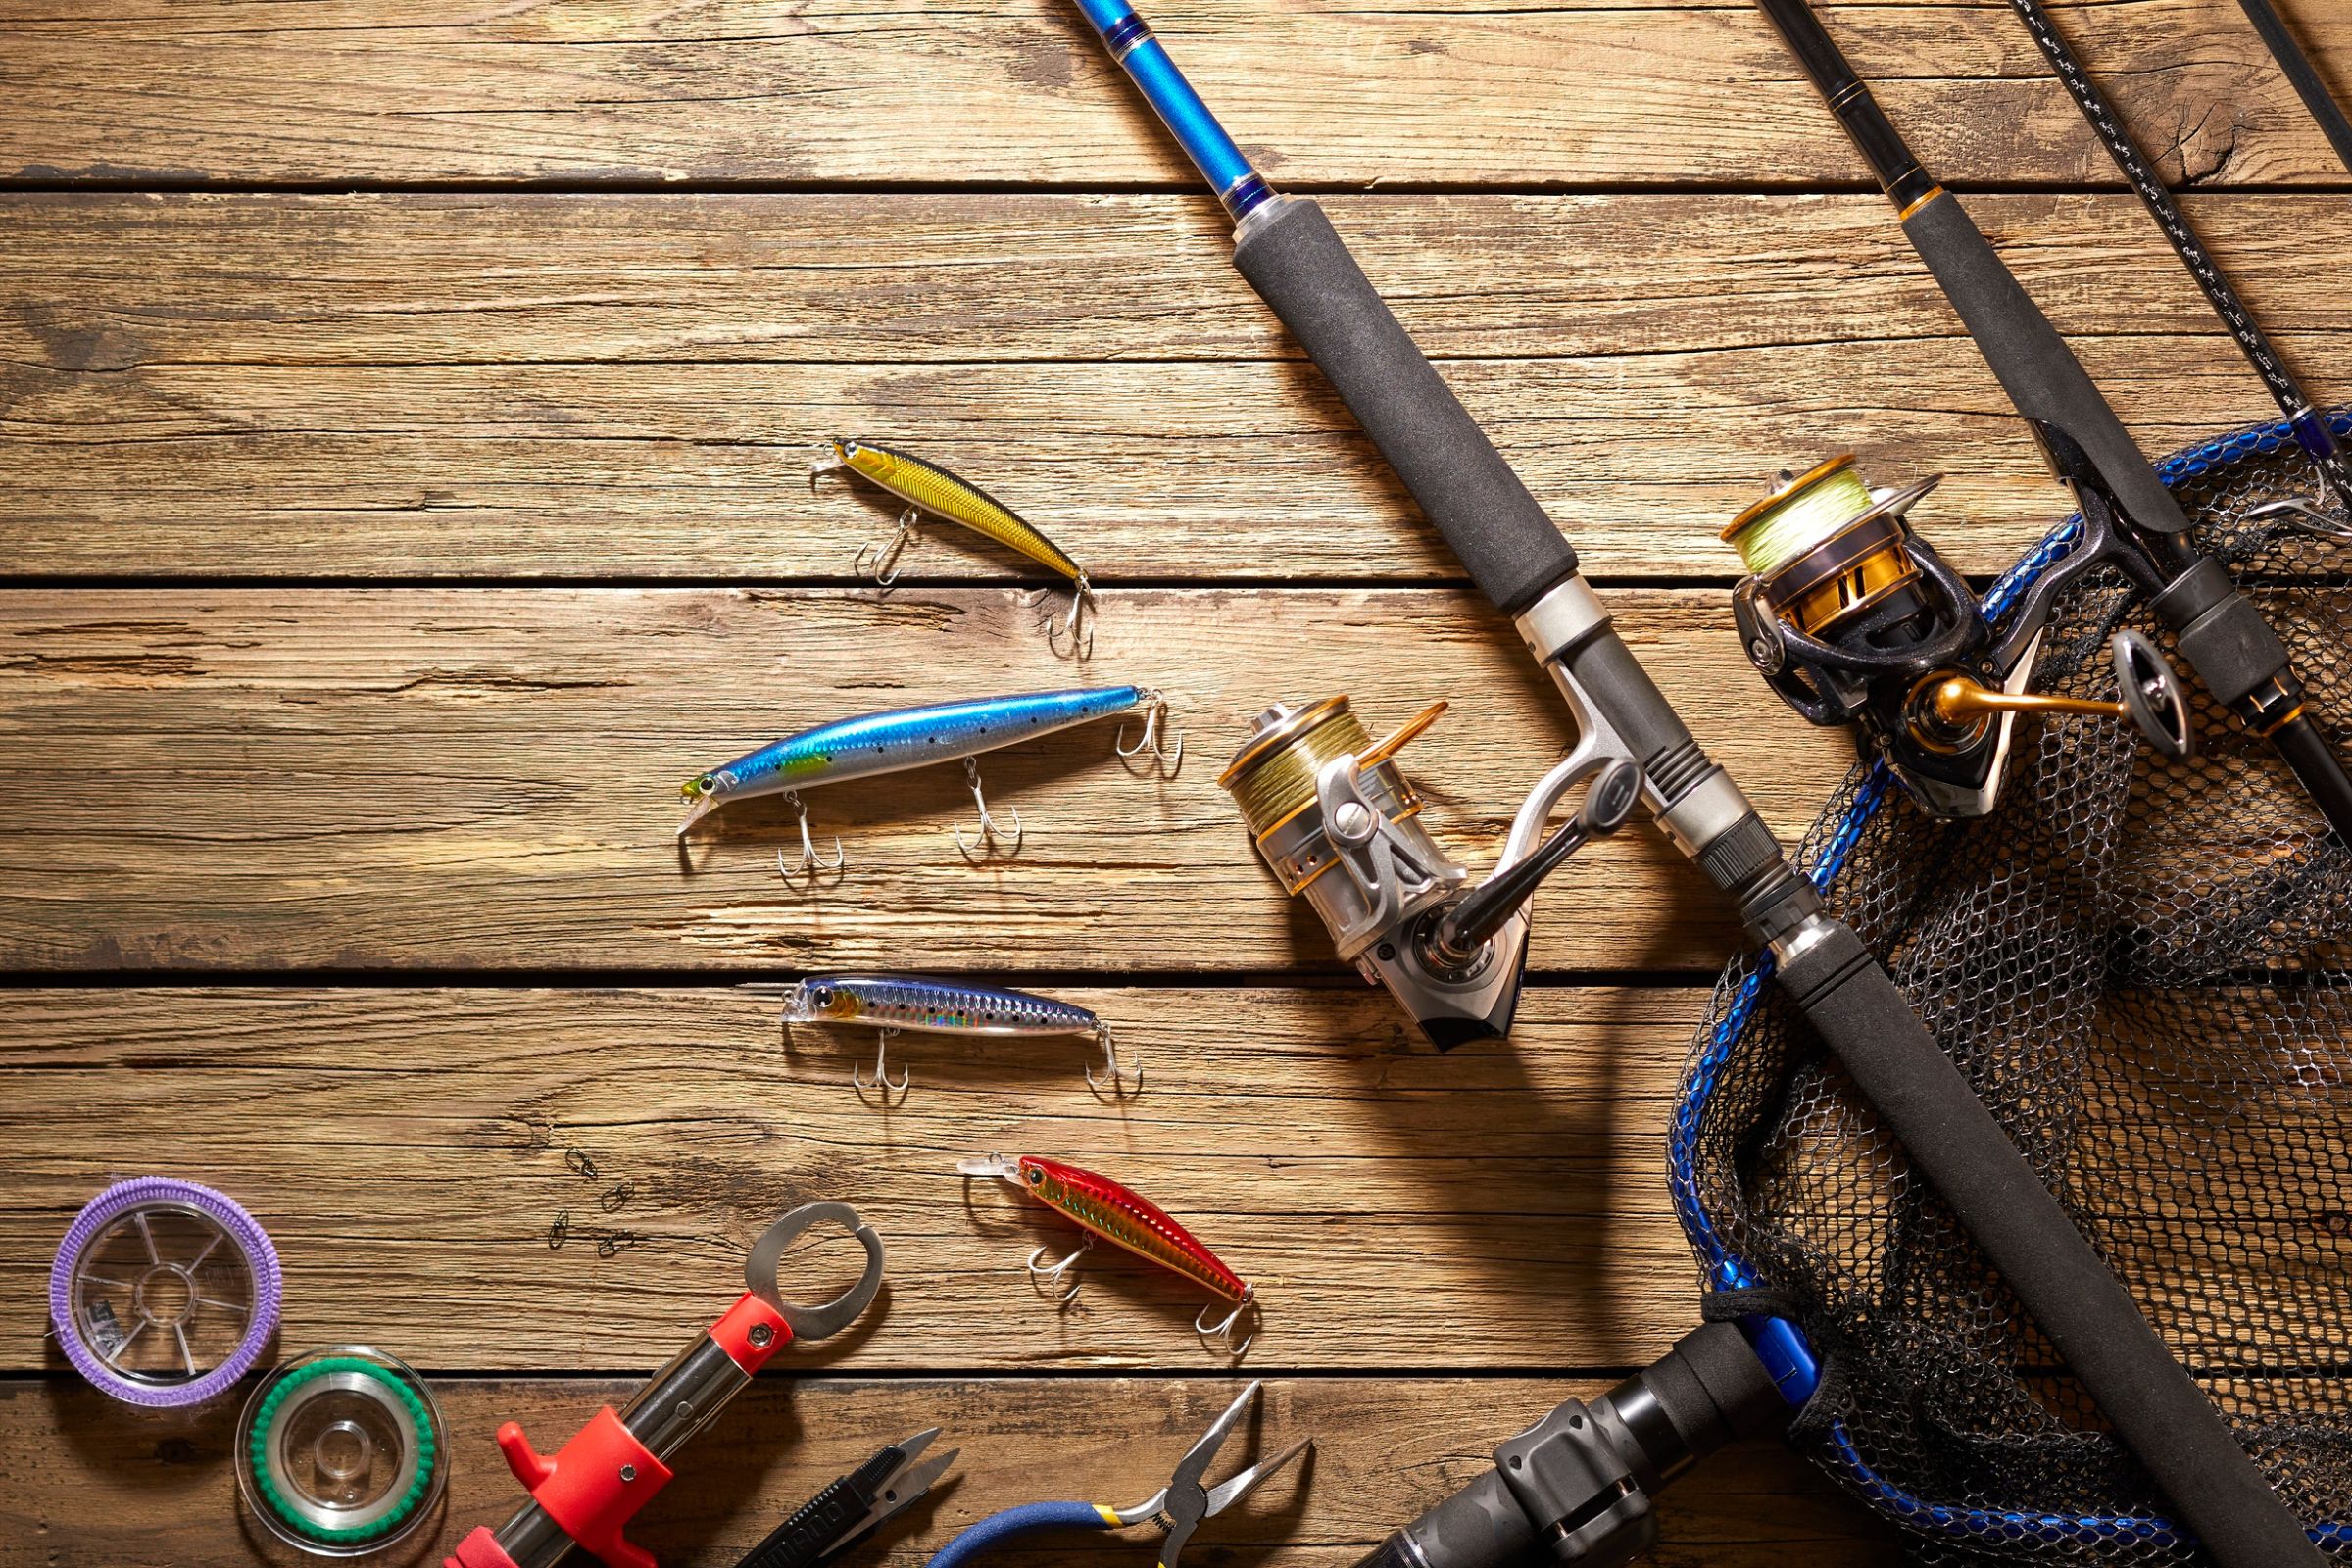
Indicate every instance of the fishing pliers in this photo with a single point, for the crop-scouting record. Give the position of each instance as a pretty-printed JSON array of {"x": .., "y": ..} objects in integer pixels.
[
  {"x": 1178, "y": 1508},
  {"x": 853, "y": 1506}
]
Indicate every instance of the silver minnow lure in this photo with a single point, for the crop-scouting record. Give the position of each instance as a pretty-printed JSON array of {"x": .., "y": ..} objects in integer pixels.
[
  {"x": 942, "y": 1007},
  {"x": 909, "y": 737}
]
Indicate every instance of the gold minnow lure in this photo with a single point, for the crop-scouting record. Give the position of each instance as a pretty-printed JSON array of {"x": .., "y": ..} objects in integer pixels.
[{"x": 929, "y": 489}]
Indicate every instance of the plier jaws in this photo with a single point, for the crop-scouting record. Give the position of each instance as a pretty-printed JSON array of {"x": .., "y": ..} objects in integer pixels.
[{"x": 1181, "y": 1505}]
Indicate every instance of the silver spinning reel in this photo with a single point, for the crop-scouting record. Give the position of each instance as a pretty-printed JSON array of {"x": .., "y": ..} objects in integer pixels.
[{"x": 1339, "y": 824}]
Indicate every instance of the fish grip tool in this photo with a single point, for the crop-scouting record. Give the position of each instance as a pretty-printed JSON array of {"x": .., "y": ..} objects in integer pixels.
[
  {"x": 1290, "y": 253},
  {"x": 585, "y": 1494}
]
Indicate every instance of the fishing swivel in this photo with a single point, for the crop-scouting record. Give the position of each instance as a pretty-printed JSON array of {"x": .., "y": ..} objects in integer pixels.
[
  {"x": 811, "y": 862},
  {"x": 989, "y": 836}
]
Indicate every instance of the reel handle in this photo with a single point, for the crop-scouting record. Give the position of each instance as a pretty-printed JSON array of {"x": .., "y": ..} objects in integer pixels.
[
  {"x": 1609, "y": 801},
  {"x": 2151, "y": 699}
]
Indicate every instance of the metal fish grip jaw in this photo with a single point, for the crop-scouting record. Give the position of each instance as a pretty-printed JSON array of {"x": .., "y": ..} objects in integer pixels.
[
  {"x": 1339, "y": 824},
  {"x": 585, "y": 1494}
]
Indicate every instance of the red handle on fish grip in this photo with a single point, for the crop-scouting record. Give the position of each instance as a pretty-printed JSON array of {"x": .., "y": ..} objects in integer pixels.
[
  {"x": 479, "y": 1550},
  {"x": 752, "y": 1332},
  {"x": 593, "y": 1487}
]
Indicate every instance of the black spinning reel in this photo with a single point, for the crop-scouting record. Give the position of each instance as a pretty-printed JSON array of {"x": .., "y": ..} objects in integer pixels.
[{"x": 1856, "y": 621}]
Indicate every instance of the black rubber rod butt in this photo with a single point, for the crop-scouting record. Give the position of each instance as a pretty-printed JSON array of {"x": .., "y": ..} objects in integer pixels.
[
  {"x": 2162, "y": 1416},
  {"x": 2032, "y": 363},
  {"x": 1300, "y": 265},
  {"x": 2319, "y": 771},
  {"x": 2304, "y": 76}
]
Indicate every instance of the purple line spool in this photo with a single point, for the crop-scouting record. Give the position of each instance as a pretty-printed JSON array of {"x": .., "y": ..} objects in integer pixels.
[{"x": 163, "y": 1292}]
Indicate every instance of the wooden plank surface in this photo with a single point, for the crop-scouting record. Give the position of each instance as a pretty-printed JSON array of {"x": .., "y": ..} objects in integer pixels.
[
  {"x": 274, "y": 779},
  {"x": 1018, "y": 90},
  {"x": 569, "y": 386},
  {"x": 94, "y": 1486},
  {"x": 1371, "y": 1190}
]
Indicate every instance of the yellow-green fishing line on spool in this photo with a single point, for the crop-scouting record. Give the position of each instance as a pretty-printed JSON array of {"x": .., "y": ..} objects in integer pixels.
[{"x": 1802, "y": 520}]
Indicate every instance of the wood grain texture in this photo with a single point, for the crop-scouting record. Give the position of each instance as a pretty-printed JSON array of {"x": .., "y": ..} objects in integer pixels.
[
  {"x": 300, "y": 778},
  {"x": 564, "y": 387},
  {"x": 407, "y": 1151},
  {"x": 1016, "y": 90},
  {"x": 94, "y": 1486}
]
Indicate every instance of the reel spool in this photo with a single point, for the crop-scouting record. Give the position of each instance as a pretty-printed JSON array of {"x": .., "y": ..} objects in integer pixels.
[
  {"x": 1856, "y": 621},
  {"x": 342, "y": 1453},
  {"x": 164, "y": 1293},
  {"x": 1338, "y": 822}
]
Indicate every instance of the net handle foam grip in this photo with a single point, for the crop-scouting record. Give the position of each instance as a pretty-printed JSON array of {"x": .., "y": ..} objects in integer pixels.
[
  {"x": 1300, "y": 265},
  {"x": 2161, "y": 1414}
]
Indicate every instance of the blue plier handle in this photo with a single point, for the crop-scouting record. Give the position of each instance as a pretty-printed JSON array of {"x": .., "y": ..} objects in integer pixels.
[{"x": 1179, "y": 1506}]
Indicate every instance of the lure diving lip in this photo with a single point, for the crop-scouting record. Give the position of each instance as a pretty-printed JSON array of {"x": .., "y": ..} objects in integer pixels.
[{"x": 1125, "y": 1218}]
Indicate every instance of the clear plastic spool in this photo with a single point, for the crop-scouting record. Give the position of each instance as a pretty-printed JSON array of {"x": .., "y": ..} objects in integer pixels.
[
  {"x": 340, "y": 1453},
  {"x": 164, "y": 1295},
  {"x": 163, "y": 1292}
]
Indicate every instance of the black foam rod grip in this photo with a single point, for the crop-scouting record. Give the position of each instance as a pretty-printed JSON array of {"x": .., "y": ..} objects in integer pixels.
[
  {"x": 2035, "y": 367},
  {"x": 2161, "y": 1414},
  {"x": 1299, "y": 264}
]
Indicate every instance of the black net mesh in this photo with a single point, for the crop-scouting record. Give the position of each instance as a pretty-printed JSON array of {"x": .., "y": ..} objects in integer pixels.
[{"x": 2142, "y": 968}]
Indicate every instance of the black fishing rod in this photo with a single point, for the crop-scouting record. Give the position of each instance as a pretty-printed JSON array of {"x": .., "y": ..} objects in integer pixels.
[
  {"x": 1576, "y": 1482},
  {"x": 2220, "y": 631},
  {"x": 2309, "y": 425},
  {"x": 2280, "y": 39}
]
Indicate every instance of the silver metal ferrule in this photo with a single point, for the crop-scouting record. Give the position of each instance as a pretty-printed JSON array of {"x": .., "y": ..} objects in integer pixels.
[{"x": 1563, "y": 617}]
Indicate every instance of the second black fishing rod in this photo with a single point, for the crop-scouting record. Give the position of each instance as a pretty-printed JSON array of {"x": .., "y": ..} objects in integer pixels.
[
  {"x": 2220, "y": 631},
  {"x": 1573, "y": 1484}
]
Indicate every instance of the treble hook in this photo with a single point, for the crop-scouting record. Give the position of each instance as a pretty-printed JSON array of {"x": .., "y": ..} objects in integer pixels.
[
  {"x": 1154, "y": 740},
  {"x": 1222, "y": 1329},
  {"x": 1116, "y": 1074},
  {"x": 884, "y": 568},
  {"x": 811, "y": 862},
  {"x": 987, "y": 820},
  {"x": 882, "y": 1070},
  {"x": 1078, "y": 625},
  {"x": 2311, "y": 518},
  {"x": 1052, "y": 1272}
]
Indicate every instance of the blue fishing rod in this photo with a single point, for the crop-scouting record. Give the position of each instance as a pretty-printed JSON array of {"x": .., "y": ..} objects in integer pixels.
[{"x": 1577, "y": 1484}]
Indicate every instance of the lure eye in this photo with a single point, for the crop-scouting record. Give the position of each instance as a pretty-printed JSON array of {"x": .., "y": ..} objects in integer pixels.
[
  {"x": 1035, "y": 1175},
  {"x": 694, "y": 789}
]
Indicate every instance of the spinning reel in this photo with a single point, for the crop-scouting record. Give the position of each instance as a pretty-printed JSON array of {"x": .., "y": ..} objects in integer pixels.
[
  {"x": 1856, "y": 621},
  {"x": 1320, "y": 797}
]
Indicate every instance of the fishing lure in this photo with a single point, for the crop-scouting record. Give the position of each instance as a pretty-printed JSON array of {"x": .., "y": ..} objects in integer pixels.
[
  {"x": 916, "y": 737},
  {"x": 888, "y": 1004},
  {"x": 1122, "y": 1216},
  {"x": 926, "y": 487}
]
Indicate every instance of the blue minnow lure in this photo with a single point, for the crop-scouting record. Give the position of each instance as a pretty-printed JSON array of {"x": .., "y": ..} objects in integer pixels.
[
  {"x": 892, "y": 1003},
  {"x": 916, "y": 737}
]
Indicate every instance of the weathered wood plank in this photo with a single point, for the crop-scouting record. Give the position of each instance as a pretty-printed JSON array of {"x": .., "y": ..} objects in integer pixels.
[
  {"x": 408, "y": 1149},
  {"x": 537, "y": 385},
  {"x": 451, "y": 777},
  {"x": 1018, "y": 90},
  {"x": 96, "y": 1488}
]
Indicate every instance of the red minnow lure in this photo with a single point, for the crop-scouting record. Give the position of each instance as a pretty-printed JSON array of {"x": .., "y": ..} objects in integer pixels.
[{"x": 1126, "y": 1218}]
